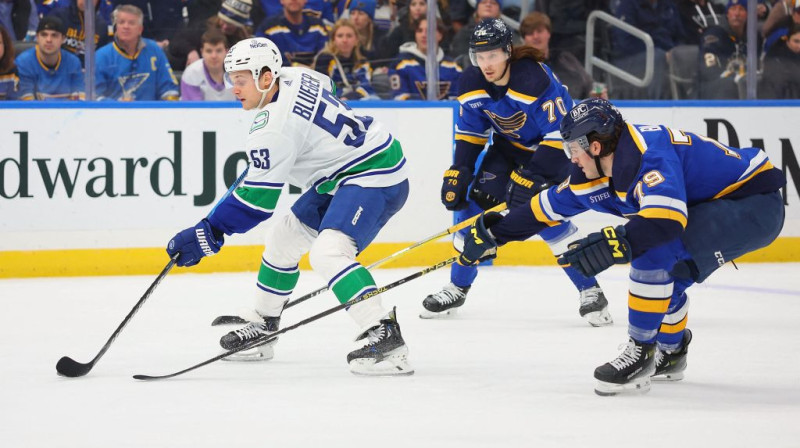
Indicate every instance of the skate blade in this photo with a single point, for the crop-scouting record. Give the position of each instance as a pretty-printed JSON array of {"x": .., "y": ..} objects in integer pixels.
[
  {"x": 605, "y": 389},
  {"x": 599, "y": 318},
  {"x": 668, "y": 377},
  {"x": 257, "y": 354},
  {"x": 395, "y": 364},
  {"x": 425, "y": 314}
]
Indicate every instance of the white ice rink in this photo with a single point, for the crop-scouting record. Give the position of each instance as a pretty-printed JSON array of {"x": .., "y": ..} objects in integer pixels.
[{"x": 513, "y": 370}]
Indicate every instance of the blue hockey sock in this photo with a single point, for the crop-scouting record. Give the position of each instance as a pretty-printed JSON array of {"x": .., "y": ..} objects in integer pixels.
[
  {"x": 579, "y": 280},
  {"x": 463, "y": 276}
]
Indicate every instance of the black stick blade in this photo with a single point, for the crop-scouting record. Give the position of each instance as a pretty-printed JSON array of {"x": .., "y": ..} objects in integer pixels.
[{"x": 70, "y": 368}]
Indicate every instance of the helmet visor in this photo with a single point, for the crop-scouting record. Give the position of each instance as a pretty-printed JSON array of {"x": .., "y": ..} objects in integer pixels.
[
  {"x": 487, "y": 56},
  {"x": 572, "y": 148}
]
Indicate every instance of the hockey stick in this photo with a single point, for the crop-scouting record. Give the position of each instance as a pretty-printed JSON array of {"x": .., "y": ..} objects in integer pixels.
[
  {"x": 267, "y": 338},
  {"x": 70, "y": 368},
  {"x": 225, "y": 320}
]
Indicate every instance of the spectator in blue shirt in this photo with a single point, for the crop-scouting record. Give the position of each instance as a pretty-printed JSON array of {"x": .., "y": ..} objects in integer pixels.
[
  {"x": 132, "y": 68},
  {"x": 47, "y": 72},
  {"x": 298, "y": 36}
]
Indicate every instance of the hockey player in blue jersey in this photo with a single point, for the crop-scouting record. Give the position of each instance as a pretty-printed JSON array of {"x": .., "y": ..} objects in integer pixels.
[
  {"x": 510, "y": 96},
  {"x": 132, "y": 68},
  {"x": 692, "y": 205}
]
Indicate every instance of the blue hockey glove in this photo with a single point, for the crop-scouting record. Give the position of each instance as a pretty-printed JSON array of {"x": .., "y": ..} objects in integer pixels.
[
  {"x": 479, "y": 244},
  {"x": 195, "y": 243},
  {"x": 454, "y": 187},
  {"x": 522, "y": 186},
  {"x": 598, "y": 251}
]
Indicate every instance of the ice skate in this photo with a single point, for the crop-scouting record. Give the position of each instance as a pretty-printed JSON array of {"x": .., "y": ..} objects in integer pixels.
[
  {"x": 248, "y": 333},
  {"x": 670, "y": 365},
  {"x": 444, "y": 303},
  {"x": 385, "y": 353},
  {"x": 629, "y": 373},
  {"x": 594, "y": 307}
]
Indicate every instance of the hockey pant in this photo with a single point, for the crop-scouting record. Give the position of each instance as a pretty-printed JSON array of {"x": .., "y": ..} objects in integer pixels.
[
  {"x": 333, "y": 229},
  {"x": 717, "y": 231}
]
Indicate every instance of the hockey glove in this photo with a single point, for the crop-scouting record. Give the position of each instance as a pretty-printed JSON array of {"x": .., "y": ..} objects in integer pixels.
[
  {"x": 454, "y": 187},
  {"x": 522, "y": 186},
  {"x": 598, "y": 251},
  {"x": 195, "y": 243},
  {"x": 480, "y": 244}
]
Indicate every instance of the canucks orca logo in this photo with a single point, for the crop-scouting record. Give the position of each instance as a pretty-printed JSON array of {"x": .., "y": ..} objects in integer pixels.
[
  {"x": 508, "y": 125},
  {"x": 131, "y": 83},
  {"x": 422, "y": 88}
]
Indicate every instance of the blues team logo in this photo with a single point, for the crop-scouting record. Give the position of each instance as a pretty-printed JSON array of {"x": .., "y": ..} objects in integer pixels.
[{"x": 508, "y": 125}]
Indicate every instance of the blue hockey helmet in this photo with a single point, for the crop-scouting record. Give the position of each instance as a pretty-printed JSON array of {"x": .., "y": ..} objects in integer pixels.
[
  {"x": 489, "y": 34},
  {"x": 593, "y": 116}
]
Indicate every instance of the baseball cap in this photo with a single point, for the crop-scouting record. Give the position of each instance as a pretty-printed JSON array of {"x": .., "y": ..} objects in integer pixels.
[
  {"x": 51, "y": 23},
  {"x": 731, "y": 3}
]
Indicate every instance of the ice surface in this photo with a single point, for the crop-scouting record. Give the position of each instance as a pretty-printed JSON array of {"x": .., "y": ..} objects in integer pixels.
[{"x": 514, "y": 369}]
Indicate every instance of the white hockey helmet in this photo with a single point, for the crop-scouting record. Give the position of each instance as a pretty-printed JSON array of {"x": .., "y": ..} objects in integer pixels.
[{"x": 254, "y": 54}]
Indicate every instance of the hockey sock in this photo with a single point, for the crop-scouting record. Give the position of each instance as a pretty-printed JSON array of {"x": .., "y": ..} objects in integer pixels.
[
  {"x": 670, "y": 334},
  {"x": 275, "y": 284},
  {"x": 353, "y": 282},
  {"x": 463, "y": 276},
  {"x": 579, "y": 280}
]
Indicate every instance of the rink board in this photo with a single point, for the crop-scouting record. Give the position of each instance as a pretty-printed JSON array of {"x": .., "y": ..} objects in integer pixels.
[{"x": 96, "y": 189}]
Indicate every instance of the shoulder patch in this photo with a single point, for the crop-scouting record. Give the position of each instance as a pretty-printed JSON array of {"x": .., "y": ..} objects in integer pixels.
[{"x": 259, "y": 121}]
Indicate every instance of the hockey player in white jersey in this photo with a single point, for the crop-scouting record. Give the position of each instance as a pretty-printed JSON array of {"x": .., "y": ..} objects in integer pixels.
[{"x": 355, "y": 175}]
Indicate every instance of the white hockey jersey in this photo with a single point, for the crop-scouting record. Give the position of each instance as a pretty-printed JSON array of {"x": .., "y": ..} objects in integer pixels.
[{"x": 307, "y": 137}]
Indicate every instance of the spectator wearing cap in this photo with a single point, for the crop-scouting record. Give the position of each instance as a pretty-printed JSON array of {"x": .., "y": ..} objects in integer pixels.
[
  {"x": 484, "y": 9},
  {"x": 48, "y": 72},
  {"x": 536, "y": 31},
  {"x": 232, "y": 19},
  {"x": 321, "y": 9},
  {"x": 662, "y": 21},
  {"x": 133, "y": 68},
  {"x": 362, "y": 14},
  {"x": 72, "y": 17},
  {"x": 781, "y": 78},
  {"x": 723, "y": 55},
  {"x": 780, "y": 19},
  {"x": 9, "y": 80},
  {"x": 298, "y": 36}
]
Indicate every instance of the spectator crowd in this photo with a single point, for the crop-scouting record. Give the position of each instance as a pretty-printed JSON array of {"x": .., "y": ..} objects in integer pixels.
[{"x": 376, "y": 49}]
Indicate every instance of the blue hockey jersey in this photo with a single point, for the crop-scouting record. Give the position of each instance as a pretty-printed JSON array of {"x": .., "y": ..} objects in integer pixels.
[
  {"x": 39, "y": 82},
  {"x": 658, "y": 173},
  {"x": 144, "y": 76},
  {"x": 527, "y": 111},
  {"x": 408, "y": 78},
  {"x": 298, "y": 43}
]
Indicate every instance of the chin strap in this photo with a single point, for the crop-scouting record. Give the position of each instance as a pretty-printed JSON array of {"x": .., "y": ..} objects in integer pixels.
[{"x": 599, "y": 168}]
